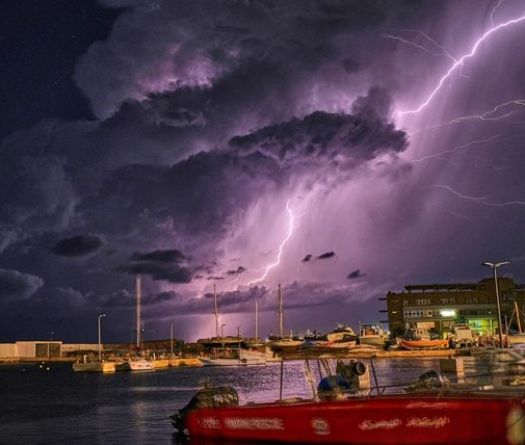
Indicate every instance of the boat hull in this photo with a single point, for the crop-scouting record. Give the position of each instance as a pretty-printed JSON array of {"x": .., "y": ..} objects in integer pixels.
[
  {"x": 423, "y": 344},
  {"x": 136, "y": 365},
  {"x": 372, "y": 340},
  {"x": 403, "y": 419},
  {"x": 231, "y": 361},
  {"x": 94, "y": 367}
]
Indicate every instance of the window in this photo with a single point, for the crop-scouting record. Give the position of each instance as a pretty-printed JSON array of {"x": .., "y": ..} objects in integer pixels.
[{"x": 422, "y": 301}]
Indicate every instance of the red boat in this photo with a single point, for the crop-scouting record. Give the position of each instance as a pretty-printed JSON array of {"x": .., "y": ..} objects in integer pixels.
[{"x": 394, "y": 419}]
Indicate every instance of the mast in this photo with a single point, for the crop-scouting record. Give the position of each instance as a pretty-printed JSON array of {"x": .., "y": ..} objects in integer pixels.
[
  {"x": 517, "y": 316},
  {"x": 138, "y": 291},
  {"x": 281, "y": 321},
  {"x": 256, "y": 320},
  {"x": 216, "y": 311}
]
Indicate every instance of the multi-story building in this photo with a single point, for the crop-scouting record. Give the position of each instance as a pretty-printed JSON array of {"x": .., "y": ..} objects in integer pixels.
[{"x": 439, "y": 307}]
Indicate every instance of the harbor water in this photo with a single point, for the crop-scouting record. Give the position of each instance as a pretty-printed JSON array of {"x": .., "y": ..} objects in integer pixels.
[{"x": 58, "y": 406}]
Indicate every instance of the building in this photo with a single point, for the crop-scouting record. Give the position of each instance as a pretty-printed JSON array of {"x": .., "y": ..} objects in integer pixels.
[
  {"x": 439, "y": 307},
  {"x": 31, "y": 350}
]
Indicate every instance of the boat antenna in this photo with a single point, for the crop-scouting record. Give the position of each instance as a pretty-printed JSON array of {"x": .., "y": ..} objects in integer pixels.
[
  {"x": 216, "y": 311},
  {"x": 281, "y": 321},
  {"x": 138, "y": 291}
]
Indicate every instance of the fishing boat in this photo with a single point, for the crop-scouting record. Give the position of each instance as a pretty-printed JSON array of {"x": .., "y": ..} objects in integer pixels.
[
  {"x": 396, "y": 419},
  {"x": 423, "y": 344},
  {"x": 417, "y": 418}
]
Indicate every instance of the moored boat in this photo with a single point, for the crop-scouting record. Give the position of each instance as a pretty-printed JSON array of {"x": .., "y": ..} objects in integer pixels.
[
  {"x": 138, "y": 364},
  {"x": 94, "y": 366},
  {"x": 239, "y": 357},
  {"x": 340, "y": 332},
  {"x": 285, "y": 342},
  {"x": 423, "y": 344},
  {"x": 372, "y": 334},
  {"x": 393, "y": 419}
]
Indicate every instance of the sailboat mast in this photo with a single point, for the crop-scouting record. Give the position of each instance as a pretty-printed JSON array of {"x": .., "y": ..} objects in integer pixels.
[
  {"x": 256, "y": 320},
  {"x": 138, "y": 291},
  {"x": 518, "y": 316},
  {"x": 281, "y": 321},
  {"x": 216, "y": 312}
]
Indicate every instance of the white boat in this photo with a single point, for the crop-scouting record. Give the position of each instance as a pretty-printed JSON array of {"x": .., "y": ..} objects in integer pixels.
[
  {"x": 138, "y": 364},
  {"x": 340, "y": 344},
  {"x": 341, "y": 332},
  {"x": 285, "y": 342}
]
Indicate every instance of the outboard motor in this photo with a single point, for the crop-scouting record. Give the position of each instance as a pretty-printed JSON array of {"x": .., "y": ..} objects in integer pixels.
[
  {"x": 430, "y": 380},
  {"x": 346, "y": 379},
  {"x": 205, "y": 398}
]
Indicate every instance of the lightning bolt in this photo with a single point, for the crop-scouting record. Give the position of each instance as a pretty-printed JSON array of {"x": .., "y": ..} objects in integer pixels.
[
  {"x": 456, "y": 149},
  {"x": 494, "y": 11},
  {"x": 281, "y": 247},
  {"x": 498, "y": 112},
  {"x": 479, "y": 199},
  {"x": 459, "y": 62},
  {"x": 443, "y": 50}
]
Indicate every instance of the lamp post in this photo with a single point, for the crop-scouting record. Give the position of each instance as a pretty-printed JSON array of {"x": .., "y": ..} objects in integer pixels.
[
  {"x": 222, "y": 330},
  {"x": 99, "y": 338},
  {"x": 494, "y": 267}
]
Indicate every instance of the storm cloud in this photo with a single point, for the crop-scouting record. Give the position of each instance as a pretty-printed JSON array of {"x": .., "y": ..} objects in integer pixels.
[
  {"x": 260, "y": 131},
  {"x": 76, "y": 246},
  {"x": 14, "y": 284}
]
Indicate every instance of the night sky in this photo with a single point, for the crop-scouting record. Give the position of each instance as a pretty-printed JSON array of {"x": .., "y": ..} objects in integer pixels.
[{"x": 340, "y": 148}]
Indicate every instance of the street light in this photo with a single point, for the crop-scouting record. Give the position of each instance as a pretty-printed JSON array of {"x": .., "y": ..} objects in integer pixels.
[
  {"x": 99, "y": 346},
  {"x": 494, "y": 267},
  {"x": 222, "y": 330}
]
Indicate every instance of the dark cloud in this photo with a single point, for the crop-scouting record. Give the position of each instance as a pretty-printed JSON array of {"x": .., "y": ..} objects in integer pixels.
[
  {"x": 243, "y": 300},
  {"x": 160, "y": 256},
  {"x": 326, "y": 255},
  {"x": 237, "y": 271},
  {"x": 77, "y": 246},
  {"x": 215, "y": 278},
  {"x": 307, "y": 258},
  {"x": 350, "y": 65},
  {"x": 355, "y": 274},
  {"x": 14, "y": 284},
  {"x": 321, "y": 137},
  {"x": 158, "y": 271},
  {"x": 124, "y": 298}
]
